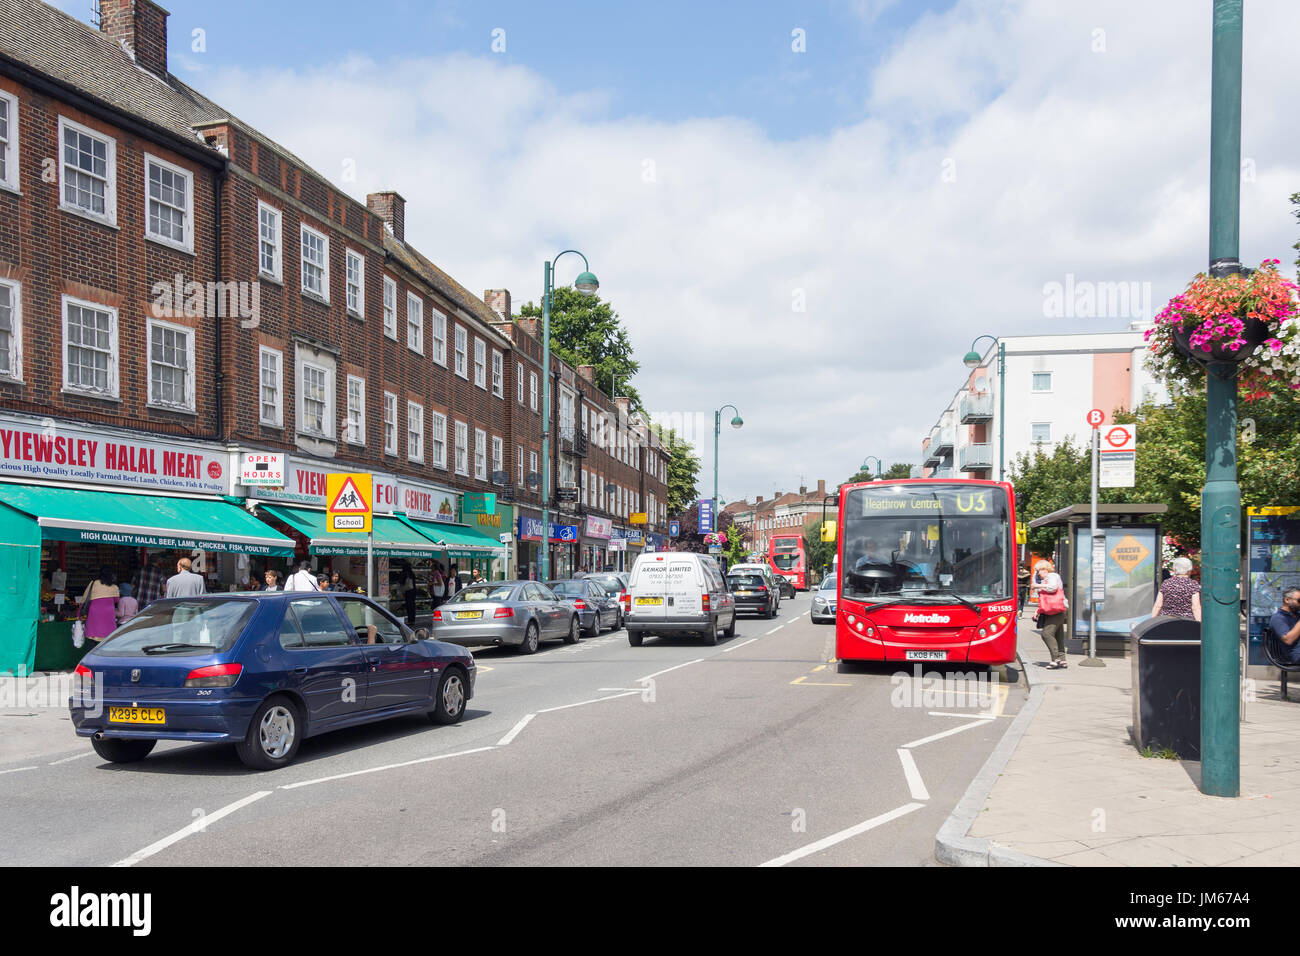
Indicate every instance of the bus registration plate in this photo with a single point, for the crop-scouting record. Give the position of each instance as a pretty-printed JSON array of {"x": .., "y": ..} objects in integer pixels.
[{"x": 927, "y": 655}]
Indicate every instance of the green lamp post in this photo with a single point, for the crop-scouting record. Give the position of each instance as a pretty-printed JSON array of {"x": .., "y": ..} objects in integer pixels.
[
  {"x": 866, "y": 466},
  {"x": 585, "y": 283},
  {"x": 972, "y": 360},
  {"x": 736, "y": 422}
]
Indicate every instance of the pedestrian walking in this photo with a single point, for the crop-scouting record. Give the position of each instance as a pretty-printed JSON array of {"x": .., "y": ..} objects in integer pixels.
[
  {"x": 453, "y": 581},
  {"x": 127, "y": 605},
  {"x": 336, "y": 582},
  {"x": 1024, "y": 577},
  {"x": 437, "y": 584},
  {"x": 185, "y": 583},
  {"x": 272, "y": 580},
  {"x": 1179, "y": 595},
  {"x": 1052, "y": 606},
  {"x": 98, "y": 605},
  {"x": 149, "y": 581},
  {"x": 407, "y": 591},
  {"x": 302, "y": 579}
]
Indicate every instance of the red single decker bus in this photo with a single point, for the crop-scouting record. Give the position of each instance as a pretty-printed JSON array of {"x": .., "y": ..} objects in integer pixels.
[
  {"x": 927, "y": 571},
  {"x": 786, "y": 556}
]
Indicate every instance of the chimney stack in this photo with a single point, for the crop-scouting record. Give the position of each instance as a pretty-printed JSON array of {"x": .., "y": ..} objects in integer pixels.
[
  {"x": 498, "y": 300},
  {"x": 821, "y": 487},
  {"x": 531, "y": 326},
  {"x": 141, "y": 27},
  {"x": 588, "y": 373},
  {"x": 391, "y": 208},
  {"x": 758, "y": 499},
  {"x": 803, "y": 491}
]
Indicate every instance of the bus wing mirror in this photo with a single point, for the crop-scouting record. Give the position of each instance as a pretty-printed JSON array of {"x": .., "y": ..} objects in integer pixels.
[{"x": 828, "y": 531}]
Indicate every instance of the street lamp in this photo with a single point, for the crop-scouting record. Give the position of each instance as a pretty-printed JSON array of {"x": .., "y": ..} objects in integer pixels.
[
  {"x": 585, "y": 283},
  {"x": 973, "y": 360},
  {"x": 736, "y": 422},
  {"x": 866, "y": 466}
]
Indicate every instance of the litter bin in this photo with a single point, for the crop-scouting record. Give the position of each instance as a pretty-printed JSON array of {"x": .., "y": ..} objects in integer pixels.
[{"x": 1166, "y": 656}]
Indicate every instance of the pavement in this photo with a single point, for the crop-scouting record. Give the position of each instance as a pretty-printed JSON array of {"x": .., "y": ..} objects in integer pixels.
[{"x": 1067, "y": 787}]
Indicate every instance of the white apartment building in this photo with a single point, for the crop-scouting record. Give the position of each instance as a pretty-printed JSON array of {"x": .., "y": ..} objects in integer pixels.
[{"x": 1052, "y": 382}]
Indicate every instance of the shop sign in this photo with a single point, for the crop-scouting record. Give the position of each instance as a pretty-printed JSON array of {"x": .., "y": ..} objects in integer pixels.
[
  {"x": 304, "y": 484},
  {"x": 489, "y": 521},
  {"x": 617, "y": 544},
  {"x": 425, "y": 502},
  {"x": 565, "y": 533},
  {"x": 598, "y": 527},
  {"x": 68, "y": 452},
  {"x": 261, "y": 468},
  {"x": 530, "y": 529},
  {"x": 478, "y": 502},
  {"x": 637, "y": 517},
  {"x": 167, "y": 542}
]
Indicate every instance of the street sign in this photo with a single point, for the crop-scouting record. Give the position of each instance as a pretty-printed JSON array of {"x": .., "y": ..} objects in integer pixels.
[
  {"x": 566, "y": 494},
  {"x": 1096, "y": 417},
  {"x": 1117, "y": 467},
  {"x": 674, "y": 529},
  {"x": 348, "y": 502},
  {"x": 505, "y": 537},
  {"x": 637, "y": 517},
  {"x": 261, "y": 469},
  {"x": 705, "y": 524},
  {"x": 1099, "y": 568}
]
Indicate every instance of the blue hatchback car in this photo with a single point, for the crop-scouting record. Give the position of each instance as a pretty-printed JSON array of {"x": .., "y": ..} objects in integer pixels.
[{"x": 262, "y": 671}]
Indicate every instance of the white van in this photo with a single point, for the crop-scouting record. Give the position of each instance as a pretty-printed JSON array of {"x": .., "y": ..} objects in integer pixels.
[{"x": 677, "y": 592}]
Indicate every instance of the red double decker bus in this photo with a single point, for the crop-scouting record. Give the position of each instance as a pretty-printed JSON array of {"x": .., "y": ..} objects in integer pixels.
[
  {"x": 786, "y": 556},
  {"x": 926, "y": 571}
]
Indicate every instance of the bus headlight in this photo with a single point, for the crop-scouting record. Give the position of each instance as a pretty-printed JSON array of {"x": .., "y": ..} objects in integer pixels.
[
  {"x": 852, "y": 619},
  {"x": 871, "y": 632},
  {"x": 859, "y": 625},
  {"x": 1002, "y": 620},
  {"x": 983, "y": 632}
]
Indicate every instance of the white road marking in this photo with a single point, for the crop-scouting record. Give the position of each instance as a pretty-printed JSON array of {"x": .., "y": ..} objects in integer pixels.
[
  {"x": 940, "y": 713},
  {"x": 16, "y": 769},
  {"x": 740, "y": 645},
  {"x": 391, "y": 766},
  {"x": 913, "y": 775},
  {"x": 947, "y": 733},
  {"x": 581, "y": 703},
  {"x": 843, "y": 835},
  {"x": 73, "y": 757},
  {"x": 774, "y": 630},
  {"x": 642, "y": 680},
  {"x": 635, "y": 690},
  {"x": 514, "y": 731},
  {"x": 196, "y": 827}
]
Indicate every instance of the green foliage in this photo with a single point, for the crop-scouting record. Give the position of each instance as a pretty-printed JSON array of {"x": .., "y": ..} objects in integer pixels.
[
  {"x": 818, "y": 553},
  {"x": 1170, "y": 466},
  {"x": 736, "y": 550},
  {"x": 683, "y": 472},
  {"x": 1295, "y": 201},
  {"x": 585, "y": 330}
]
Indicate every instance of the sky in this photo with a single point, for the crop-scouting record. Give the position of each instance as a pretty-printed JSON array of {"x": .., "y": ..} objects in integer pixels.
[{"x": 805, "y": 210}]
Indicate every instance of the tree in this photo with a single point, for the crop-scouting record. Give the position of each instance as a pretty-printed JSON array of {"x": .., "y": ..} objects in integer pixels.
[
  {"x": 683, "y": 471},
  {"x": 585, "y": 330},
  {"x": 899, "y": 469},
  {"x": 817, "y": 553}
]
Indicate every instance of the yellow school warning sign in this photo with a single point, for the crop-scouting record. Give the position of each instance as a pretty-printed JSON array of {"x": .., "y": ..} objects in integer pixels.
[
  {"x": 347, "y": 498},
  {"x": 1128, "y": 553}
]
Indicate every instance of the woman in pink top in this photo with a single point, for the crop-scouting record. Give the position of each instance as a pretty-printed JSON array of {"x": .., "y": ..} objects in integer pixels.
[
  {"x": 99, "y": 605},
  {"x": 127, "y": 606}
]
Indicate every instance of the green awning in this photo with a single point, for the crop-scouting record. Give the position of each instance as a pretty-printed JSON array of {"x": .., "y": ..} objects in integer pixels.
[
  {"x": 148, "y": 521},
  {"x": 393, "y": 537},
  {"x": 461, "y": 541}
]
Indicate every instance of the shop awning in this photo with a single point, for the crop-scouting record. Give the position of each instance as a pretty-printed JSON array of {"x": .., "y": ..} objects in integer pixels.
[
  {"x": 461, "y": 541},
  {"x": 394, "y": 538},
  {"x": 147, "y": 521}
]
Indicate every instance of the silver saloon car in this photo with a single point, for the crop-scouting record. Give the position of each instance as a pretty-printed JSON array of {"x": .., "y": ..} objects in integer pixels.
[
  {"x": 519, "y": 614},
  {"x": 823, "y": 604}
]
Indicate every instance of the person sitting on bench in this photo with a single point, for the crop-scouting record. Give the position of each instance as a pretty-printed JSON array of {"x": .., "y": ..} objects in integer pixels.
[{"x": 1285, "y": 623}]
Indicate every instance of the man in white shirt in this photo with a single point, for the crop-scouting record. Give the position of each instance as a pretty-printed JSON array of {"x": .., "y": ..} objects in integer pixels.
[{"x": 302, "y": 579}]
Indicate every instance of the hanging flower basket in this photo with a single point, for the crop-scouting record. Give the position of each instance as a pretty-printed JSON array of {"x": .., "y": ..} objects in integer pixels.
[{"x": 1227, "y": 320}]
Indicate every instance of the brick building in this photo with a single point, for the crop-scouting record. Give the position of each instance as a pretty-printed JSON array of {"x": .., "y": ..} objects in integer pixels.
[{"x": 174, "y": 281}]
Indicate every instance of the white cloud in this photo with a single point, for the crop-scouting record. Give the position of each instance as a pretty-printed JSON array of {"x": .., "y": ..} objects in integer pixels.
[{"x": 1066, "y": 160}]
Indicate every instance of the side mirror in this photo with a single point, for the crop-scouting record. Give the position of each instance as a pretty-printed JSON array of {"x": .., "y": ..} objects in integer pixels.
[
  {"x": 421, "y": 633},
  {"x": 828, "y": 531}
]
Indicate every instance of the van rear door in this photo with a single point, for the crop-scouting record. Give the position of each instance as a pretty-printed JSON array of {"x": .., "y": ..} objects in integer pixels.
[{"x": 684, "y": 586}]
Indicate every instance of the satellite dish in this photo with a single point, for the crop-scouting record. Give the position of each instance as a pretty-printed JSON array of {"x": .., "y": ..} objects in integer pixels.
[{"x": 982, "y": 384}]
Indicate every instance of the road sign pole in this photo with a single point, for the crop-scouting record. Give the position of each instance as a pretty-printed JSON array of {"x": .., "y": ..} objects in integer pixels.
[
  {"x": 1092, "y": 660},
  {"x": 370, "y": 563}
]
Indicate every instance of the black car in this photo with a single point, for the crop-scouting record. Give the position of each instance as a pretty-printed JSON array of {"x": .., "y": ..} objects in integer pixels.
[
  {"x": 753, "y": 594},
  {"x": 596, "y": 607}
]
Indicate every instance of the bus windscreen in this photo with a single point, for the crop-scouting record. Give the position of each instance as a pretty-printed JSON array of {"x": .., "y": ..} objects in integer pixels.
[{"x": 926, "y": 543}]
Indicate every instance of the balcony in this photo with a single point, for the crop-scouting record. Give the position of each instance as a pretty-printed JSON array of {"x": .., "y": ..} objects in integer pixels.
[
  {"x": 942, "y": 473},
  {"x": 942, "y": 442},
  {"x": 977, "y": 457},
  {"x": 580, "y": 446},
  {"x": 976, "y": 409}
]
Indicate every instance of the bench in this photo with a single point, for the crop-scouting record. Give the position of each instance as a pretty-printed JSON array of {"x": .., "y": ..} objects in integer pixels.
[{"x": 1277, "y": 654}]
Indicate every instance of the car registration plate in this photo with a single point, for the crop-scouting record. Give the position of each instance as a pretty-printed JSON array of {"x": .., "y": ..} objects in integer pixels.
[
  {"x": 745, "y": 593},
  {"x": 468, "y": 615},
  {"x": 136, "y": 715},
  {"x": 644, "y": 602},
  {"x": 927, "y": 655}
]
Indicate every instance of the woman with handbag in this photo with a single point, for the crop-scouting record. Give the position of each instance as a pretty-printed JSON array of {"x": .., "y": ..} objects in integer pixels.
[
  {"x": 1052, "y": 607},
  {"x": 98, "y": 605}
]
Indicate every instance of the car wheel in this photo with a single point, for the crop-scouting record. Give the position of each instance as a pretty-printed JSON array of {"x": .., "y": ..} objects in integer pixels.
[
  {"x": 449, "y": 701},
  {"x": 731, "y": 628},
  {"x": 618, "y": 621},
  {"x": 711, "y": 634},
  {"x": 273, "y": 736},
  {"x": 572, "y": 636},
  {"x": 122, "y": 751},
  {"x": 529, "y": 646},
  {"x": 594, "y": 630}
]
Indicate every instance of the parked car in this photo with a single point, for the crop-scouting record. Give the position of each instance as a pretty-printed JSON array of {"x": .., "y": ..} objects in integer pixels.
[
  {"x": 823, "y": 603},
  {"x": 677, "y": 592},
  {"x": 596, "y": 607},
  {"x": 753, "y": 593},
  {"x": 614, "y": 582},
  {"x": 777, "y": 582},
  {"x": 261, "y": 670},
  {"x": 518, "y": 614}
]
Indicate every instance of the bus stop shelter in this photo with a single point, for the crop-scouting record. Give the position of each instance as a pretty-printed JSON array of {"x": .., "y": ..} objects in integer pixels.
[{"x": 1134, "y": 541}]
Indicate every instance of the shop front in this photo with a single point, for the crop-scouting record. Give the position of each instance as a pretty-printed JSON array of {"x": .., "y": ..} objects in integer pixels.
[
  {"x": 596, "y": 533},
  {"x": 655, "y": 542},
  {"x": 529, "y": 532},
  {"x": 492, "y": 522},
  {"x": 625, "y": 544},
  {"x": 76, "y": 502},
  {"x": 564, "y": 556},
  {"x": 463, "y": 547}
]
